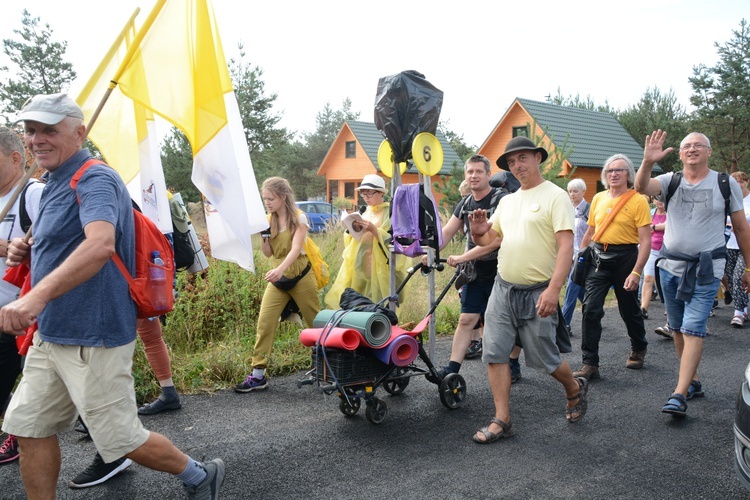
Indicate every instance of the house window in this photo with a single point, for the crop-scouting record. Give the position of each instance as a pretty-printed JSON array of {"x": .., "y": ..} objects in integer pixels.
[
  {"x": 600, "y": 187},
  {"x": 349, "y": 190},
  {"x": 521, "y": 131},
  {"x": 351, "y": 149}
]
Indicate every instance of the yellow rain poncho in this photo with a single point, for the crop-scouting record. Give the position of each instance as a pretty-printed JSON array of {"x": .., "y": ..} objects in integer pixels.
[{"x": 365, "y": 262}]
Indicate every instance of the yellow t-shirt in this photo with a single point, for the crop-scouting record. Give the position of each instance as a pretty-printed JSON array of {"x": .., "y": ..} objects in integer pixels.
[
  {"x": 528, "y": 220},
  {"x": 624, "y": 227}
]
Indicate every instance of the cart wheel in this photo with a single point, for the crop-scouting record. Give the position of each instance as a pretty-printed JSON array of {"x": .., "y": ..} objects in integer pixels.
[
  {"x": 452, "y": 391},
  {"x": 395, "y": 385},
  {"x": 376, "y": 411},
  {"x": 351, "y": 407}
]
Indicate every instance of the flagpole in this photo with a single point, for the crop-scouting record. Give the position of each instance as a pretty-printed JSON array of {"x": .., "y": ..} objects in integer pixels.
[
  {"x": 137, "y": 41},
  {"x": 115, "y": 46},
  {"x": 17, "y": 192}
]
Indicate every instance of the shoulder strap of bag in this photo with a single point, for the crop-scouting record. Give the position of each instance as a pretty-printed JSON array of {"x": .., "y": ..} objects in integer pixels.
[
  {"x": 674, "y": 183},
  {"x": 73, "y": 184},
  {"x": 725, "y": 191},
  {"x": 620, "y": 203},
  {"x": 23, "y": 214}
]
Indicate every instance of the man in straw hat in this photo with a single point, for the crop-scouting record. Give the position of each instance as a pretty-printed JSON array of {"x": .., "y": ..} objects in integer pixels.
[
  {"x": 536, "y": 226},
  {"x": 81, "y": 357}
]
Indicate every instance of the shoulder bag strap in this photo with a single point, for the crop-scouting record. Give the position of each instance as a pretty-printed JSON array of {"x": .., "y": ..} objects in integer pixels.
[{"x": 620, "y": 203}]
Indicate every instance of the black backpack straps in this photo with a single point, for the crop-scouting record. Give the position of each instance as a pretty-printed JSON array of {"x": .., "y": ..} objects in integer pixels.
[
  {"x": 723, "y": 179},
  {"x": 23, "y": 214},
  {"x": 674, "y": 183},
  {"x": 725, "y": 191}
]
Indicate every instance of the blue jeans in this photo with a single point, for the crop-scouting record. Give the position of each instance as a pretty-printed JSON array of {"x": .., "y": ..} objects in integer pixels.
[
  {"x": 688, "y": 317},
  {"x": 573, "y": 292}
]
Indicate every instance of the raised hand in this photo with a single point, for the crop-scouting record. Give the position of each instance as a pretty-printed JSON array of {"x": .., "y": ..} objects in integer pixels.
[{"x": 653, "y": 151}]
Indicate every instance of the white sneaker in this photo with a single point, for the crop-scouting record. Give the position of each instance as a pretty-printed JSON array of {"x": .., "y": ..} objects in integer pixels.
[{"x": 738, "y": 321}]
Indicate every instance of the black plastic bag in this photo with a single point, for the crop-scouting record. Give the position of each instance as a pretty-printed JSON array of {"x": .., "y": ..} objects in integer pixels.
[
  {"x": 405, "y": 105},
  {"x": 353, "y": 300}
]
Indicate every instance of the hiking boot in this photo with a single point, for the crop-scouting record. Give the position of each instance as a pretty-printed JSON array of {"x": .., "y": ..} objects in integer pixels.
[
  {"x": 251, "y": 384},
  {"x": 515, "y": 370},
  {"x": 209, "y": 488},
  {"x": 588, "y": 372},
  {"x": 9, "y": 450},
  {"x": 664, "y": 331},
  {"x": 635, "y": 361},
  {"x": 474, "y": 350},
  {"x": 99, "y": 472},
  {"x": 160, "y": 405}
]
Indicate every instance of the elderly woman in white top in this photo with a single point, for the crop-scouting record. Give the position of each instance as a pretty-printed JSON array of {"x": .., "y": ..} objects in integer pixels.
[{"x": 573, "y": 292}]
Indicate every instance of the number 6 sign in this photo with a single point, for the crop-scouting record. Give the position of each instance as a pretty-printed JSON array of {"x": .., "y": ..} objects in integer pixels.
[{"x": 427, "y": 153}]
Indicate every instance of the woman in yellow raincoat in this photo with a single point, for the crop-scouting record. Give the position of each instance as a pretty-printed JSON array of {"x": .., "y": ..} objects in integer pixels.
[{"x": 365, "y": 259}]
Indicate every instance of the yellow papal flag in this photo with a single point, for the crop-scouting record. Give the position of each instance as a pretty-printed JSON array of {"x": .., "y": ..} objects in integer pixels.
[
  {"x": 125, "y": 133},
  {"x": 176, "y": 69}
]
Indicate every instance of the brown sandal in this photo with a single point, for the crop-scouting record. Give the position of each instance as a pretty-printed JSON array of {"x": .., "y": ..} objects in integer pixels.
[
  {"x": 582, "y": 405},
  {"x": 491, "y": 437}
]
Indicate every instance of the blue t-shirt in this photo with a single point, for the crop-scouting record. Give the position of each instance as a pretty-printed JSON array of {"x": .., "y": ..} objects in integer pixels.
[{"x": 98, "y": 312}]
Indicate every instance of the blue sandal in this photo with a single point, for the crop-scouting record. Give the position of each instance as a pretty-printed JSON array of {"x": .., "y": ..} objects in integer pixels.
[
  {"x": 695, "y": 390},
  {"x": 676, "y": 405}
]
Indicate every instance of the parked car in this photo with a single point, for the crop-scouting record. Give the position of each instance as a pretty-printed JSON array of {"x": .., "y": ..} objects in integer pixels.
[
  {"x": 742, "y": 432},
  {"x": 319, "y": 213}
]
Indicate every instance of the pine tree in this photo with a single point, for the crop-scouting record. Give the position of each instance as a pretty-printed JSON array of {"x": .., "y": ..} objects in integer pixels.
[
  {"x": 38, "y": 65},
  {"x": 721, "y": 95}
]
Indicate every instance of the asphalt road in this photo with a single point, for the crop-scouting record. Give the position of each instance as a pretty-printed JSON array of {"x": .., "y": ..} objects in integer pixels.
[{"x": 289, "y": 442}]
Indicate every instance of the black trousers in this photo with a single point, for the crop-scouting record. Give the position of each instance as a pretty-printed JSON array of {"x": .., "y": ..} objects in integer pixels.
[
  {"x": 10, "y": 367},
  {"x": 598, "y": 283}
]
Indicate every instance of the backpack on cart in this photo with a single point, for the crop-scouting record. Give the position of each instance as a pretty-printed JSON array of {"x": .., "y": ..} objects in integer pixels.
[{"x": 415, "y": 221}]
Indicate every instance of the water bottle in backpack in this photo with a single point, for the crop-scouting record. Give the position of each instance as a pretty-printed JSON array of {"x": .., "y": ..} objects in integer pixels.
[{"x": 158, "y": 278}]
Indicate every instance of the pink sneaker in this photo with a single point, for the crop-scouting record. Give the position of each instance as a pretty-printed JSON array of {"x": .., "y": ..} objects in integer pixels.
[{"x": 9, "y": 450}]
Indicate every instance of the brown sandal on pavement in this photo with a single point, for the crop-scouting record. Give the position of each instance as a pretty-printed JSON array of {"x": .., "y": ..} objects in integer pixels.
[
  {"x": 491, "y": 437},
  {"x": 580, "y": 408}
]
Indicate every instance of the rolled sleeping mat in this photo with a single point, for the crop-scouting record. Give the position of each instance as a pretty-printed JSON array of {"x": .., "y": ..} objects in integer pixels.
[
  {"x": 374, "y": 326},
  {"x": 402, "y": 351},
  {"x": 342, "y": 338}
]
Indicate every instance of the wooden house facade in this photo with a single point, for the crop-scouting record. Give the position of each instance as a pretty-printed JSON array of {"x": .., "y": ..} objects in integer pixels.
[
  {"x": 590, "y": 136},
  {"x": 354, "y": 154}
]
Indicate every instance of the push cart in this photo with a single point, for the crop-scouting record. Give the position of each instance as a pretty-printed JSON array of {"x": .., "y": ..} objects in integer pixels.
[{"x": 355, "y": 375}]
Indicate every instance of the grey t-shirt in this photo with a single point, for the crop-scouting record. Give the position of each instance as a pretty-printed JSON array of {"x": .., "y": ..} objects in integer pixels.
[{"x": 696, "y": 219}]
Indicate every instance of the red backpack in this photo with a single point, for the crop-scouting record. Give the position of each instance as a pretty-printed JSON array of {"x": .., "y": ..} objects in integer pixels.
[{"x": 146, "y": 293}]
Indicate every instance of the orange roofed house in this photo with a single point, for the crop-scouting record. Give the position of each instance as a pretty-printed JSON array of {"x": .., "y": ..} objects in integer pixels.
[
  {"x": 593, "y": 137},
  {"x": 354, "y": 154}
]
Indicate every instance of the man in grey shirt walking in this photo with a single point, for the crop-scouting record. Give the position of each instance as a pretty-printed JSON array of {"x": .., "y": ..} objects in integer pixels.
[{"x": 694, "y": 251}]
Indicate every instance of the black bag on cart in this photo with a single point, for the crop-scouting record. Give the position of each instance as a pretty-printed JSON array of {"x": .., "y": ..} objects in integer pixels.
[{"x": 352, "y": 299}]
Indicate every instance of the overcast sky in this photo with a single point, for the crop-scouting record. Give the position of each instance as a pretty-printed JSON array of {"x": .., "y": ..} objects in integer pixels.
[{"x": 480, "y": 54}]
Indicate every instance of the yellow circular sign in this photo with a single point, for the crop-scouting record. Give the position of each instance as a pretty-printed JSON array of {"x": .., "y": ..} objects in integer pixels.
[
  {"x": 385, "y": 159},
  {"x": 427, "y": 153}
]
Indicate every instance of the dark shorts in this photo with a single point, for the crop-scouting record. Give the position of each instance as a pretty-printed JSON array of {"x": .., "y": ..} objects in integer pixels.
[{"x": 475, "y": 295}]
